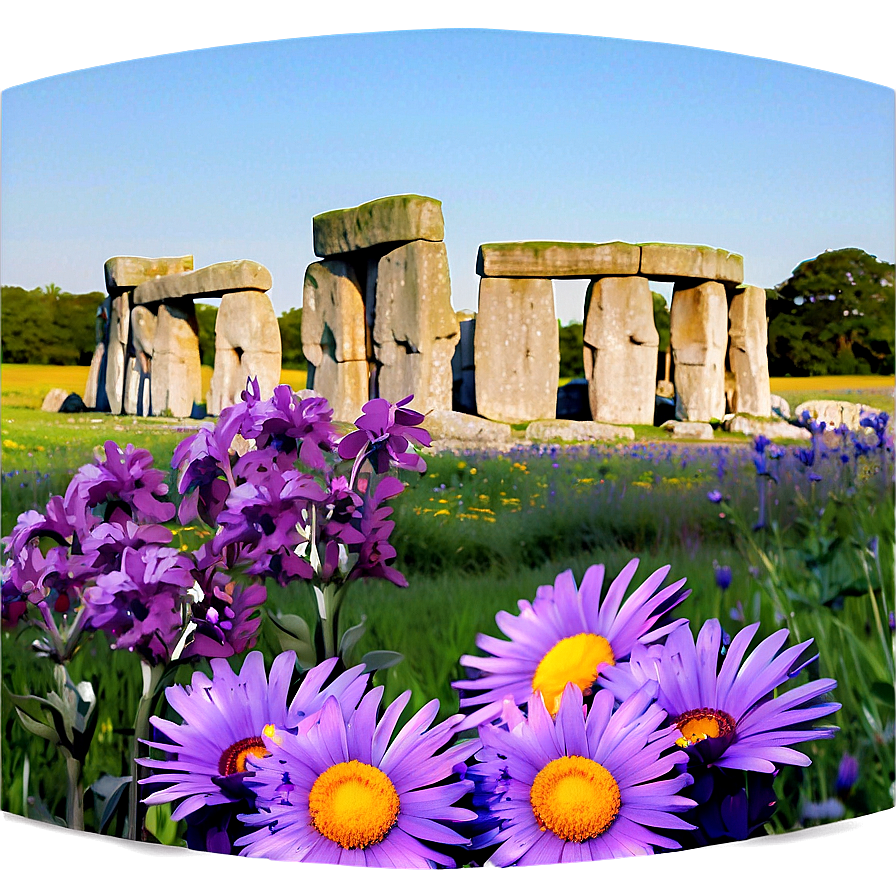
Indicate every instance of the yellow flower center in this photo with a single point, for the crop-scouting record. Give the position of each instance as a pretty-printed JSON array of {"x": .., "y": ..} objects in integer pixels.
[
  {"x": 699, "y": 724},
  {"x": 575, "y": 798},
  {"x": 353, "y": 804},
  {"x": 233, "y": 759},
  {"x": 573, "y": 659}
]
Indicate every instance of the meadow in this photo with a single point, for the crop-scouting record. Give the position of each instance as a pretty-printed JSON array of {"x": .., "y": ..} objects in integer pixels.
[{"x": 479, "y": 531}]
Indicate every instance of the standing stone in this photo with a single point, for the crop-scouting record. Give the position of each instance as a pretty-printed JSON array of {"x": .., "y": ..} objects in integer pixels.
[
  {"x": 517, "y": 347},
  {"x": 415, "y": 328},
  {"x": 91, "y": 390},
  {"x": 247, "y": 344},
  {"x": 176, "y": 375},
  {"x": 116, "y": 358},
  {"x": 95, "y": 389},
  {"x": 334, "y": 337},
  {"x": 699, "y": 339},
  {"x": 622, "y": 338},
  {"x": 748, "y": 352},
  {"x": 411, "y": 313},
  {"x": 138, "y": 398}
]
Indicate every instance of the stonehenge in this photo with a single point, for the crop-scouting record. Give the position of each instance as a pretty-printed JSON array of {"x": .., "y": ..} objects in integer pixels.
[
  {"x": 377, "y": 322},
  {"x": 620, "y": 337},
  {"x": 147, "y": 357},
  {"x": 377, "y": 319}
]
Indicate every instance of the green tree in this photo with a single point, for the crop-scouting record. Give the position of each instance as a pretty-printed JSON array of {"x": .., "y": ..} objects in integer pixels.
[
  {"x": 834, "y": 315},
  {"x": 662, "y": 320},
  {"x": 571, "y": 362},
  {"x": 291, "y": 339},
  {"x": 206, "y": 314}
]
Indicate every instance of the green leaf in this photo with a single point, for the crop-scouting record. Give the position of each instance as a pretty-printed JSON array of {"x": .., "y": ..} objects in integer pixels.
[
  {"x": 293, "y": 634},
  {"x": 37, "y": 728},
  {"x": 108, "y": 791},
  {"x": 883, "y": 692},
  {"x": 350, "y": 638},
  {"x": 380, "y": 659}
]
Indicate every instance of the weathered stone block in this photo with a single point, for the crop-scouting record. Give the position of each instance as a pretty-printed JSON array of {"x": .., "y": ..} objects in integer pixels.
[
  {"x": 388, "y": 220},
  {"x": 622, "y": 338},
  {"x": 176, "y": 374},
  {"x": 748, "y": 351},
  {"x": 669, "y": 262},
  {"x": 333, "y": 313},
  {"x": 127, "y": 271},
  {"x": 699, "y": 336},
  {"x": 344, "y": 384},
  {"x": 576, "y": 431},
  {"x": 780, "y": 406},
  {"x": 557, "y": 259},
  {"x": 836, "y": 413},
  {"x": 517, "y": 348},
  {"x": 683, "y": 429},
  {"x": 53, "y": 400},
  {"x": 453, "y": 425},
  {"x": 214, "y": 280},
  {"x": 91, "y": 390},
  {"x": 119, "y": 330},
  {"x": 247, "y": 344},
  {"x": 770, "y": 428},
  {"x": 415, "y": 328}
]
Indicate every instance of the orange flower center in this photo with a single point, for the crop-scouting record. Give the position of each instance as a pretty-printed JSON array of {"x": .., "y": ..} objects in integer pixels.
[
  {"x": 700, "y": 724},
  {"x": 575, "y": 659}
]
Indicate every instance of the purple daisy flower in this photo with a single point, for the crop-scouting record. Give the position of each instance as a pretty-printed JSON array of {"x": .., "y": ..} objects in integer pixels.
[
  {"x": 568, "y": 635},
  {"x": 727, "y": 717},
  {"x": 223, "y": 722},
  {"x": 338, "y": 791},
  {"x": 583, "y": 786}
]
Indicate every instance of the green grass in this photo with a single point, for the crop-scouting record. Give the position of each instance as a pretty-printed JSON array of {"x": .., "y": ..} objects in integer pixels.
[{"x": 477, "y": 533}]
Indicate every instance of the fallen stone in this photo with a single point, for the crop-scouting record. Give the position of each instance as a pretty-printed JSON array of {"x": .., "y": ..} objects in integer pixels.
[
  {"x": 669, "y": 262},
  {"x": 576, "y": 431},
  {"x": 699, "y": 336},
  {"x": 770, "y": 428},
  {"x": 415, "y": 329},
  {"x": 780, "y": 406},
  {"x": 517, "y": 346},
  {"x": 176, "y": 381},
  {"x": 622, "y": 338},
  {"x": 214, "y": 280},
  {"x": 835, "y": 413},
  {"x": 443, "y": 424},
  {"x": 127, "y": 271},
  {"x": 392, "y": 219},
  {"x": 748, "y": 352},
  {"x": 333, "y": 313},
  {"x": 73, "y": 404},
  {"x": 53, "y": 400},
  {"x": 557, "y": 259},
  {"x": 684, "y": 429}
]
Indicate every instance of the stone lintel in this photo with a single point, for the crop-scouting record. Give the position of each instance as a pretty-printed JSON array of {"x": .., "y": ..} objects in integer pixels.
[
  {"x": 127, "y": 271},
  {"x": 557, "y": 260},
  {"x": 214, "y": 280},
  {"x": 392, "y": 219},
  {"x": 669, "y": 262}
]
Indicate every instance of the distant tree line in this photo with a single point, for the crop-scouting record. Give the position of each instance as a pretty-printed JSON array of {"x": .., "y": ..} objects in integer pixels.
[
  {"x": 49, "y": 326},
  {"x": 833, "y": 315}
]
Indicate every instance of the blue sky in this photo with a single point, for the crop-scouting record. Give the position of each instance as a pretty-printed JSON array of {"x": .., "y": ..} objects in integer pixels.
[{"x": 228, "y": 153}]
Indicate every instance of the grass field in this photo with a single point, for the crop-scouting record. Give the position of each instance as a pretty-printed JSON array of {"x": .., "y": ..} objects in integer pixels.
[
  {"x": 876, "y": 391},
  {"x": 480, "y": 531}
]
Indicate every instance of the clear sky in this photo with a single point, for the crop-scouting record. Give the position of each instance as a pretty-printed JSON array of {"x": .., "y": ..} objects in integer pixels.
[{"x": 229, "y": 152}]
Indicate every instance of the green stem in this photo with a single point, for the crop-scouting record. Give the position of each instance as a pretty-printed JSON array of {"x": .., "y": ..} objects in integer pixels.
[
  {"x": 74, "y": 797},
  {"x": 151, "y": 677}
]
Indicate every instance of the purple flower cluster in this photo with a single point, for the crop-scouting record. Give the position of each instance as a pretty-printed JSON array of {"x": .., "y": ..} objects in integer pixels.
[
  {"x": 267, "y": 477},
  {"x": 599, "y": 695}
]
